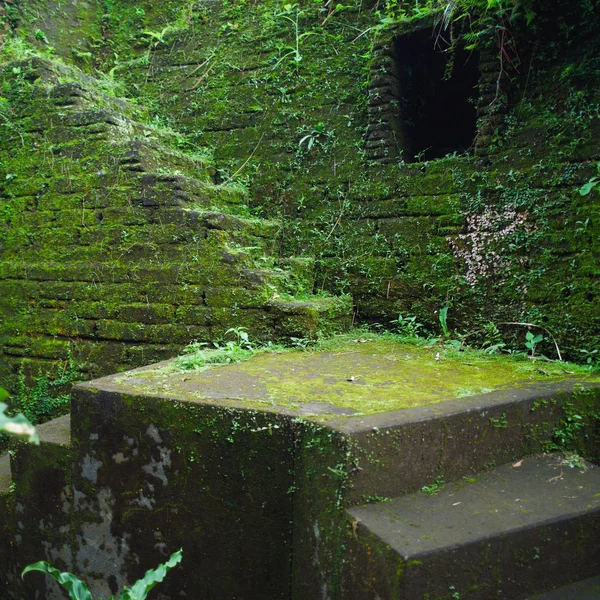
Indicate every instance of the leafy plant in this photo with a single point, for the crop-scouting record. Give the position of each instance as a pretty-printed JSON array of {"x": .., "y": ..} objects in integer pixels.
[
  {"x": 293, "y": 51},
  {"x": 435, "y": 487},
  {"x": 500, "y": 422},
  {"x": 492, "y": 341},
  {"x": 531, "y": 341},
  {"x": 18, "y": 425},
  {"x": 198, "y": 356},
  {"x": 242, "y": 337},
  {"x": 47, "y": 395},
  {"x": 315, "y": 136},
  {"x": 591, "y": 356},
  {"x": 444, "y": 321},
  {"x": 409, "y": 326},
  {"x": 573, "y": 461},
  {"x": 77, "y": 590},
  {"x": 593, "y": 183}
]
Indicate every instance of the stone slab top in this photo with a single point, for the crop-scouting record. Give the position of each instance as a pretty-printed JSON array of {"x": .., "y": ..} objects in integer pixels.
[
  {"x": 348, "y": 378},
  {"x": 517, "y": 496},
  {"x": 57, "y": 431},
  {"x": 588, "y": 589}
]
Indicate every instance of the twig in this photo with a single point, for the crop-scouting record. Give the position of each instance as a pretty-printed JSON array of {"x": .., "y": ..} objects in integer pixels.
[
  {"x": 246, "y": 161},
  {"x": 202, "y": 77}
]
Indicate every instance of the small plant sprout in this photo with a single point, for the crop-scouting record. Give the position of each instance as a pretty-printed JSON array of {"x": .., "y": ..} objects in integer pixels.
[
  {"x": 409, "y": 326},
  {"x": 591, "y": 356},
  {"x": 435, "y": 487},
  {"x": 531, "y": 341},
  {"x": 444, "y": 321},
  {"x": 242, "y": 337},
  {"x": 293, "y": 51},
  {"x": 593, "y": 182},
  {"x": 313, "y": 137},
  {"x": 77, "y": 590}
]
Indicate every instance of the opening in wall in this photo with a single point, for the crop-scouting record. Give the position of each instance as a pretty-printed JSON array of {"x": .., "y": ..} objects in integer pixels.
[{"x": 437, "y": 97}]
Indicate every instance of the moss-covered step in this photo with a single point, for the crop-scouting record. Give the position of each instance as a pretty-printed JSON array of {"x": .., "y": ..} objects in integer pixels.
[
  {"x": 43, "y": 509},
  {"x": 522, "y": 528}
]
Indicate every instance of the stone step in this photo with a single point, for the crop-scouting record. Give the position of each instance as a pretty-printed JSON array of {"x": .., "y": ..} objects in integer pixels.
[
  {"x": 589, "y": 589},
  {"x": 57, "y": 431},
  {"x": 307, "y": 319},
  {"x": 520, "y": 529},
  {"x": 402, "y": 451}
]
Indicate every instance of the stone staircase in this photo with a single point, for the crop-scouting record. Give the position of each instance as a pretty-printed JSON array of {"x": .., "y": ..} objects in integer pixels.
[
  {"x": 460, "y": 506},
  {"x": 275, "y": 497},
  {"x": 507, "y": 533},
  {"x": 122, "y": 246}
]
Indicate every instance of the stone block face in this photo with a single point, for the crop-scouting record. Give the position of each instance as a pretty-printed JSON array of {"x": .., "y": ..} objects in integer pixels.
[{"x": 143, "y": 488}]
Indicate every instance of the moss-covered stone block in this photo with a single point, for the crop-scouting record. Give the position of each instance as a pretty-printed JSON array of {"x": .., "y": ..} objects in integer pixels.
[{"x": 222, "y": 476}]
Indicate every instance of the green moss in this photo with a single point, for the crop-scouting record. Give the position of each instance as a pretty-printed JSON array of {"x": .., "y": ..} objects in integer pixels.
[{"x": 349, "y": 377}]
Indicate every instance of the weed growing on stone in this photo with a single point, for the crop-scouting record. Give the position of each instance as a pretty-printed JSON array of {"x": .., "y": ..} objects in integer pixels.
[
  {"x": 531, "y": 341},
  {"x": 592, "y": 183},
  {"x": 47, "y": 396},
  {"x": 435, "y": 487},
  {"x": 199, "y": 356}
]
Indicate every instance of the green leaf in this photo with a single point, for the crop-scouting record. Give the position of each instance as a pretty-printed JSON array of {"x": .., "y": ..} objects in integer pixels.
[
  {"x": 140, "y": 588},
  {"x": 77, "y": 589},
  {"x": 3, "y": 395},
  {"x": 586, "y": 188},
  {"x": 18, "y": 425}
]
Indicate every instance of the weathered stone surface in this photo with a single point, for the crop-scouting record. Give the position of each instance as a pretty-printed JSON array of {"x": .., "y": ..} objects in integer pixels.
[
  {"x": 513, "y": 531},
  {"x": 264, "y": 458}
]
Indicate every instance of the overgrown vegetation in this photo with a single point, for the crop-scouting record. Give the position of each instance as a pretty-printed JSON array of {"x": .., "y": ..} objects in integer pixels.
[{"x": 46, "y": 395}]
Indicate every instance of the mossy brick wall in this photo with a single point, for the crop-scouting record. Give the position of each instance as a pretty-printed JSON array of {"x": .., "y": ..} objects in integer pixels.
[
  {"x": 117, "y": 248},
  {"x": 504, "y": 236}
]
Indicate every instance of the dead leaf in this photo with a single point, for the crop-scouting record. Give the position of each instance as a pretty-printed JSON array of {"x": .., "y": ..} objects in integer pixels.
[
  {"x": 351, "y": 378},
  {"x": 518, "y": 463},
  {"x": 362, "y": 340},
  {"x": 186, "y": 379}
]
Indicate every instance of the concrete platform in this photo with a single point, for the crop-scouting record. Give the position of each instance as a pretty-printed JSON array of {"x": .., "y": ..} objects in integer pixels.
[
  {"x": 250, "y": 467},
  {"x": 349, "y": 378},
  {"x": 503, "y": 535}
]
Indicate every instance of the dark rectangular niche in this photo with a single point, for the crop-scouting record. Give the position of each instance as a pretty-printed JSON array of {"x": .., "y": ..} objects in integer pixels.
[{"x": 437, "y": 92}]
